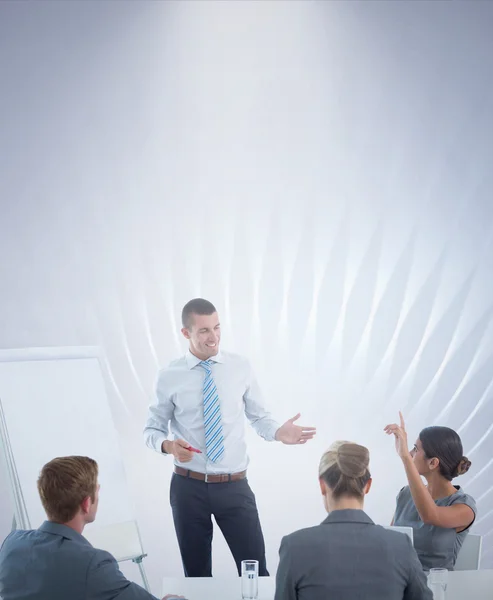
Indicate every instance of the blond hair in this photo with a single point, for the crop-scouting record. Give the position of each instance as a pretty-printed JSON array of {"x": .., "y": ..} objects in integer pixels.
[
  {"x": 345, "y": 469},
  {"x": 63, "y": 485}
]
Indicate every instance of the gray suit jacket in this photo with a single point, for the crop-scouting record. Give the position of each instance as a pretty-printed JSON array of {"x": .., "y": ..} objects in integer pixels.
[
  {"x": 55, "y": 562},
  {"x": 348, "y": 557}
]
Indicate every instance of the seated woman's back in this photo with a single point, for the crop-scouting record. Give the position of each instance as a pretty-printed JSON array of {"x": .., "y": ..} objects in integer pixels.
[{"x": 348, "y": 557}]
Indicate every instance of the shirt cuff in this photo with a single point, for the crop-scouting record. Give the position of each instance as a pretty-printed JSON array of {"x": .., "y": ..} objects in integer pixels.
[
  {"x": 271, "y": 434},
  {"x": 159, "y": 442}
]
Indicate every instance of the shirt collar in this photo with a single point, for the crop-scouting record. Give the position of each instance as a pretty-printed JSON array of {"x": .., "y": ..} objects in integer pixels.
[
  {"x": 63, "y": 531},
  {"x": 349, "y": 515},
  {"x": 193, "y": 361}
]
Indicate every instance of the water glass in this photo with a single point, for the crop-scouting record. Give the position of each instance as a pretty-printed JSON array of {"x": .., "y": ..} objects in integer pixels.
[
  {"x": 249, "y": 579},
  {"x": 437, "y": 582}
]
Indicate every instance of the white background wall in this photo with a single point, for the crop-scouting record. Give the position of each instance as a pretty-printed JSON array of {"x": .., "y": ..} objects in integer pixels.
[{"x": 321, "y": 171}]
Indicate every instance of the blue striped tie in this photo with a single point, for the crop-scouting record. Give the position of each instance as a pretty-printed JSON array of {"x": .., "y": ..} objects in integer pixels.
[{"x": 212, "y": 415}]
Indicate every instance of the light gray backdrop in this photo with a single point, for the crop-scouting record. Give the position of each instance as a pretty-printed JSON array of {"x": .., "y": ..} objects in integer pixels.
[{"x": 321, "y": 171}]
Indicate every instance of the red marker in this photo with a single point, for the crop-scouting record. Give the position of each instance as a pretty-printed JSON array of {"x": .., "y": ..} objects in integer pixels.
[{"x": 192, "y": 449}]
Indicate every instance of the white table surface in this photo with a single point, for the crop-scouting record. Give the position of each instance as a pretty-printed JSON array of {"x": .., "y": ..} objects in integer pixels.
[
  {"x": 215, "y": 588},
  {"x": 463, "y": 585}
]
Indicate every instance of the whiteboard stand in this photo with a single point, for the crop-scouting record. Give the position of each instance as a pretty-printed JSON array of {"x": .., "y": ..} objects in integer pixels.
[{"x": 138, "y": 561}]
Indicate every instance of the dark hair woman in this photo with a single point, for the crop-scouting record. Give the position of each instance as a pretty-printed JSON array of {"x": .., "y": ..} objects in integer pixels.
[{"x": 440, "y": 513}]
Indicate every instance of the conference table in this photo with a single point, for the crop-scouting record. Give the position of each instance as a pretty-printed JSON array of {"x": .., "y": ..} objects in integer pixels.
[{"x": 470, "y": 585}]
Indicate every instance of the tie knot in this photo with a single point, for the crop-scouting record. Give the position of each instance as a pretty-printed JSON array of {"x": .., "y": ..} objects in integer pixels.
[{"x": 207, "y": 365}]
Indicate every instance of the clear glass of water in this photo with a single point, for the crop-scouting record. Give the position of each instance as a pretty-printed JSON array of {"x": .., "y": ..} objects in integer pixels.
[
  {"x": 249, "y": 579},
  {"x": 437, "y": 582}
]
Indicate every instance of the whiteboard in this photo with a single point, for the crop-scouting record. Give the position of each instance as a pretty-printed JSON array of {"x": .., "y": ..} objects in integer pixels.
[{"x": 54, "y": 403}]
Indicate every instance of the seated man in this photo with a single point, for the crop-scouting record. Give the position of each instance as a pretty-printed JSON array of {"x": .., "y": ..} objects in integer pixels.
[{"x": 55, "y": 562}]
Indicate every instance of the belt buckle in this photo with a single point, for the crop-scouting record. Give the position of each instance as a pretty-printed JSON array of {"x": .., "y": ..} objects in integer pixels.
[{"x": 207, "y": 477}]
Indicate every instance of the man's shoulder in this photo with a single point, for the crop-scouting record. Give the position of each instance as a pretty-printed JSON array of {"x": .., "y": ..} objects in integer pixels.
[
  {"x": 233, "y": 357},
  {"x": 177, "y": 363},
  {"x": 42, "y": 546},
  {"x": 174, "y": 366},
  {"x": 23, "y": 537},
  {"x": 100, "y": 557},
  {"x": 19, "y": 536}
]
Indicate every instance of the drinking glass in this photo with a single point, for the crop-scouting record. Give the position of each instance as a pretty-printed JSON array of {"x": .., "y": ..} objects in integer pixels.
[
  {"x": 249, "y": 579},
  {"x": 437, "y": 582}
]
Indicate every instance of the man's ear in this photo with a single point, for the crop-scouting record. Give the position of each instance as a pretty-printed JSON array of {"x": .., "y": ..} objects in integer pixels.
[
  {"x": 86, "y": 504},
  {"x": 185, "y": 333}
]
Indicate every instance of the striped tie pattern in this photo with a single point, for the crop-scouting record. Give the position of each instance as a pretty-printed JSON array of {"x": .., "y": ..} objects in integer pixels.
[{"x": 212, "y": 415}]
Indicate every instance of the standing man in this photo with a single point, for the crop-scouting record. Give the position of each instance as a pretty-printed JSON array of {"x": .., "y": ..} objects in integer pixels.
[{"x": 205, "y": 394}]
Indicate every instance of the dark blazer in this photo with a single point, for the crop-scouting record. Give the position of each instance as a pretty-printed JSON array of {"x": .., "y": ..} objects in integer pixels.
[
  {"x": 55, "y": 562},
  {"x": 348, "y": 557}
]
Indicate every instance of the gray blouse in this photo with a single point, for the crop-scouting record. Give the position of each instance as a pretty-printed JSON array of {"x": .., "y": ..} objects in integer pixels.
[{"x": 436, "y": 546}]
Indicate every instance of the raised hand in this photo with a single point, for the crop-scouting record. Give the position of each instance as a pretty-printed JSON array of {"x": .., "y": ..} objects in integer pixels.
[{"x": 400, "y": 435}]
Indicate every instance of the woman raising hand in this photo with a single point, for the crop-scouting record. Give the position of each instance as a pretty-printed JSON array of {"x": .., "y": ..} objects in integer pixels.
[{"x": 440, "y": 513}]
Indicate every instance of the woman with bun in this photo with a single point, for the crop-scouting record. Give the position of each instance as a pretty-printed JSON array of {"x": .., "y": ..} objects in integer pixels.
[
  {"x": 440, "y": 513},
  {"x": 348, "y": 557}
]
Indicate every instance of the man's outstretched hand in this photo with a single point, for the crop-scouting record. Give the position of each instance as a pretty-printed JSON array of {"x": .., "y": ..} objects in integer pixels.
[{"x": 291, "y": 434}]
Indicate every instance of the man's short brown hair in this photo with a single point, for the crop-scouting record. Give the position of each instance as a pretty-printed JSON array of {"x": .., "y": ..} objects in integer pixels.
[
  {"x": 63, "y": 485},
  {"x": 197, "y": 306}
]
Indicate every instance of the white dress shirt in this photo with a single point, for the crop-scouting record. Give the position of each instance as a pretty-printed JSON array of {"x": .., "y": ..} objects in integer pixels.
[{"x": 179, "y": 399}]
